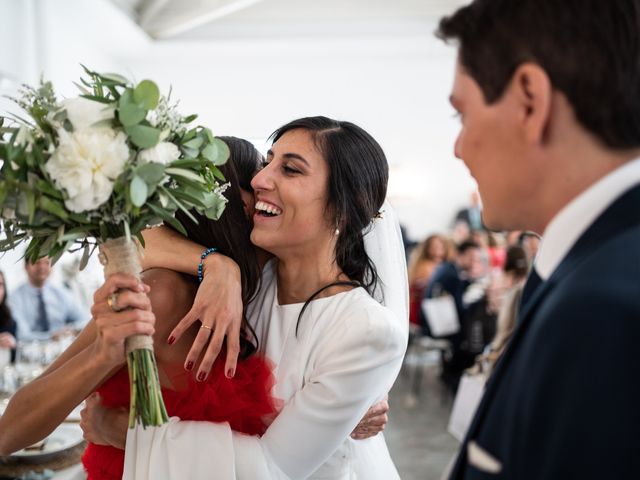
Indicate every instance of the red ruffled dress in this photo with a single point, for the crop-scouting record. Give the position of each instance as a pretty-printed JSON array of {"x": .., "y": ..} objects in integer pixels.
[{"x": 244, "y": 401}]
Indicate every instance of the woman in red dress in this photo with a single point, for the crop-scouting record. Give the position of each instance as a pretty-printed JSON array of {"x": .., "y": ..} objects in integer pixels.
[{"x": 241, "y": 398}]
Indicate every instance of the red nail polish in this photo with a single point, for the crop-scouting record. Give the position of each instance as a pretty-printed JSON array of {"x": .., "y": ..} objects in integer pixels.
[
  {"x": 171, "y": 339},
  {"x": 202, "y": 376},
  {"x": 230, "y": 373},
  {"x": 189, "y": 366}
]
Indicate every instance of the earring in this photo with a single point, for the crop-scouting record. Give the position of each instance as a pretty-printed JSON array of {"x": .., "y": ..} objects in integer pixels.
[{"x": 337, "y": 231}]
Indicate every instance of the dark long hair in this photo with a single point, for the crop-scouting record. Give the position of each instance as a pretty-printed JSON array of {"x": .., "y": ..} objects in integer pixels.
[
  {"x": 357, "y": 187},
  {"x": 6, "y": 320},
  {"x": 230, "y": 235}
]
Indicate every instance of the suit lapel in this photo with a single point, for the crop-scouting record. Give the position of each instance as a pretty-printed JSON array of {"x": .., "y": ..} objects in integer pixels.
[{"x": 624, "y": 213}]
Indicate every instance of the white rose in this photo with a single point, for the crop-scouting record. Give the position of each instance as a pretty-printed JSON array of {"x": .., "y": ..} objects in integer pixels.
[
  {"x": 163, "y": 153},
  {"x": 84, "y": 113},
  {"x": 86, "y": 164}
]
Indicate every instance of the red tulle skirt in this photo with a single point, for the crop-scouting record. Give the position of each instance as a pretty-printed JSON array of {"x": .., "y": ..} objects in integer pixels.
[{"x": 244, "y": 401}]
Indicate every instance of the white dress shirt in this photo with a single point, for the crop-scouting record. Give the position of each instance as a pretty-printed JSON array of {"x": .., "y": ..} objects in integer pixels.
[
  {"x": 345, "y": 357},
  {"x": 574, "y": 219}
]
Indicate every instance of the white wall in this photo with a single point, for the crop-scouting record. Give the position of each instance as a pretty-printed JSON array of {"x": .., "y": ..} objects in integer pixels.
[{"x": 395, "y": 86}]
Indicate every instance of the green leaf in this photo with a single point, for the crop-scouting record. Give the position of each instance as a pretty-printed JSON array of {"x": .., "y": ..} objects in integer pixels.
[
  {"x": 31, "y": 205},
  {"x": 218, "y": 174},
  {"x": 147, "y": 94},
  {"x": 215, "y": 212},
  {"x": 151, "y": 173},
  {"x": 143, "y": 136},
  {"x": 195, "y": 143},
  {"x": 169, "y": 218},
  {"x": 190, "y": 118},
  {"x": 115, "y": 78},
  {"x": 46, "y": 187},
  {"x": 190, "y": 163},
  {"x": 216, "y": 152},
  {"x": 85, "y": 257},
  {"x": 140, "y": 238},
  {"x": 138, "y": 191},
  {"x": 53, "y": 207},
  {"x": 190, "y": 174},
  {"x": 131, "y": 114}
]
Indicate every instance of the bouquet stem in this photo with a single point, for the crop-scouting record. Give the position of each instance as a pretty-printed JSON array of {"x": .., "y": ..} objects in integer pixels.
[{"x": 121, "y": 255}]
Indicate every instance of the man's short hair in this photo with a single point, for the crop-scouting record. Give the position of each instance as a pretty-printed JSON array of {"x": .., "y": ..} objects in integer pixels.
[
  {"x": 590, "y": 50},
  {"x": 467, "y": 245}
]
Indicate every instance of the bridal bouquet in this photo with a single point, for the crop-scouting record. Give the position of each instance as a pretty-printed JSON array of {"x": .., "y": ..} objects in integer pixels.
[{"x": 96, "y": 170}]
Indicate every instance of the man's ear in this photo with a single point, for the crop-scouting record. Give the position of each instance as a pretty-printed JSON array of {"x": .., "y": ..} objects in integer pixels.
[{"x": 533, "y": 93}]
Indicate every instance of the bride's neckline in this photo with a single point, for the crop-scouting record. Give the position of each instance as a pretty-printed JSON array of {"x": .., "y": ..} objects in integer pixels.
[{"x": 300, "y": 304}]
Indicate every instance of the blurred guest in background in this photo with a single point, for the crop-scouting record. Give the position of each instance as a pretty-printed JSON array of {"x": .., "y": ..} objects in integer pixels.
[
  {"x": 454, "y": 278},
  {"x": 41, "y": 309},
  {"x": 530, "y": 242},
  {"x": 7, "y": 324},
  {"x": 504, "y": 297},
  {"x": 471, "y": 215},
  {"x": 422, "y": 263}
]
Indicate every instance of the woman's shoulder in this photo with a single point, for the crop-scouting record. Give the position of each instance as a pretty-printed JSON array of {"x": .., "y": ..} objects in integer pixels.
[
  {"x": 171, "y": 292},
  {"x": 361, "y": 314}
]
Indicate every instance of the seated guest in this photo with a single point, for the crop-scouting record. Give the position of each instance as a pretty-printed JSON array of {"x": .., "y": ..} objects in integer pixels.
[
  {"x": 422, "y": 263},
  {"x": 40, "y": 308},
  {"x": 7, "y": 324},
  {"x": 454, "y": 278}
]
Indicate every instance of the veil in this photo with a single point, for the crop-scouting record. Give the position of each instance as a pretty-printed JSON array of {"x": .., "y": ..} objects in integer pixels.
[{"x": 383, "y": 243}]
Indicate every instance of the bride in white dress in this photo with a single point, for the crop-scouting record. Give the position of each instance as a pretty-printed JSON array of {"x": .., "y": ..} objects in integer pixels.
[{"x": 337, "y": 350}]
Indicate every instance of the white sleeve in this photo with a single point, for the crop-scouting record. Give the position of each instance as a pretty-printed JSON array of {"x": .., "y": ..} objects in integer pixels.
[{"x": 352, "y": 367}]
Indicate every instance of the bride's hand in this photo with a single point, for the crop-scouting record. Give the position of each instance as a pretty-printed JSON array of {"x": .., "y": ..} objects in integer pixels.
[
  {"x": 133, "y": 316},
  {"x": 218, "y": 307},
  {"x": 373, "y": 421}
]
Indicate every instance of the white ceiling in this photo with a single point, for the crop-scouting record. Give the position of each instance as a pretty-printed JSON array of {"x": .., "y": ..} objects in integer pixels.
[{"x": 211, "y": 19}]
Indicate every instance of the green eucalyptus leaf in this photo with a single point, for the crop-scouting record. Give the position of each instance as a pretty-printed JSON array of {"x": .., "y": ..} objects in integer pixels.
[
  {"x": 190, "y": 153},
  {"x": 147, "y": 94},
  {"x": 169, "y": 218},
  {"x": 186, "y": 163},
  {"x": 143, "y": 136},
  {"x": 194, "y": 143},
  {"x": 151, "y": 173},
  {"x": 189, "y": 118},
  {"x": 131, "y": 114},
  {"x": 215, "y": 212},
  {"x": 217, "y": 152},
  {"x": 218, "y": 174},
  {"x": 115, "y": 78},
  {"x": 181, "y": 172},
  {"x": 138, "y": 191}
]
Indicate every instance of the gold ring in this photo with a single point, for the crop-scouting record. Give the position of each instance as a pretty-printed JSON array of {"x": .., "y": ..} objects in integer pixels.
[
  {"x": 112, "y": 301},
  {"x": 207, "y": 327}
]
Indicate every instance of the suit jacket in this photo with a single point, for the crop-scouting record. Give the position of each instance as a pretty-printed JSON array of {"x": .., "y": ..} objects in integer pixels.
[{"x": 564, "y": 400}]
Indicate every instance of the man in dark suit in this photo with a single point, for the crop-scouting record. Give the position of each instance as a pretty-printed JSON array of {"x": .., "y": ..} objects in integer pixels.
[{"x": 549, "y": 98}]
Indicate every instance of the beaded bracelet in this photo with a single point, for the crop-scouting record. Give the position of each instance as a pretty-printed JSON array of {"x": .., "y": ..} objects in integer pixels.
[{"x": 201, "y": 264}]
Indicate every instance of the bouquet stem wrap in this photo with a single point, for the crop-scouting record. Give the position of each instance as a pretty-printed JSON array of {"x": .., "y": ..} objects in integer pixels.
[{"x": 121, "y": 255}]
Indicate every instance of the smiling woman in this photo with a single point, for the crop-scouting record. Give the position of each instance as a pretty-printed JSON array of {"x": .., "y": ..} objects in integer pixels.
[{"x": 337, "y": 349}]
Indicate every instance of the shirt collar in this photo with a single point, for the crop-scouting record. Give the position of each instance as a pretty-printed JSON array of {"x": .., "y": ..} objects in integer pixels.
[{"x": 572, "y": 221}]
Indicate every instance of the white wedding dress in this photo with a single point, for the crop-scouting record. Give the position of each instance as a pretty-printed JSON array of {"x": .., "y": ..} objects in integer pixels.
[{"x": 345, "y": 357}]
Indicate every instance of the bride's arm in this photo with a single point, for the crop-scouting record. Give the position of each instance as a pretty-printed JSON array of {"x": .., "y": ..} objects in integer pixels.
[
  {"x": 40, "y": 406},
  {"x": 355, "y": 366},
  {"x": 218, "y": 303}
]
